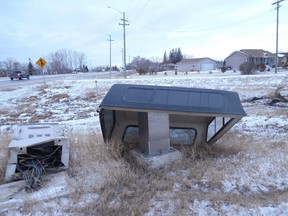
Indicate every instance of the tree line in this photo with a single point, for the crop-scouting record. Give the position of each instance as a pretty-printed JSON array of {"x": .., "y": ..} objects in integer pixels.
[
  {"x": 66, "y": 61},
  {"x": 61, "y": 61},
  {"x": 175, "y": 56},
  {"x": 152, "y": 65}
]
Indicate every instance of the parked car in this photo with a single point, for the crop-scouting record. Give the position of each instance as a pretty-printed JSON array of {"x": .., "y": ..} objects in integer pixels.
[{"x": 17, "y": 74}]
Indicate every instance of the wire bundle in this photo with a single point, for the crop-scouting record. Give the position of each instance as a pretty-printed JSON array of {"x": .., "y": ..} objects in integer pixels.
[
  {"x": 33, "y": 175},
  {"x": 32, "y": 167}
]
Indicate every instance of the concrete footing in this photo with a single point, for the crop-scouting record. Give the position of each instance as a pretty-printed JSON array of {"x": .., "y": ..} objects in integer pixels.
[{"x": 155, "y": 161}]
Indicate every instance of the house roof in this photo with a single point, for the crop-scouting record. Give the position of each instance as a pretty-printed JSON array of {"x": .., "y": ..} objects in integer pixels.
[
  {"x": 253, "y": 53},
  {"x": 257, "y": 53},
  {"x": 238, "y": 52},
  {"x": 194, "y": 60},
  {"x": 284, "y": 53},
  {"x": 172, "y": 99}
]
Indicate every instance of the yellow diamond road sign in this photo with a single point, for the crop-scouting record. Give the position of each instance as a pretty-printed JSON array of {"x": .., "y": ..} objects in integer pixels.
[{"x": 41, "y": 62}]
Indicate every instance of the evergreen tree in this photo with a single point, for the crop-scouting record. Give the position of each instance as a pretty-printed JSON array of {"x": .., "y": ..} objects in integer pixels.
[
  {"x": 115, "y": 68},
  {"x": 30, "y": 67},
  {"x": 179, "y": 55},
  {"x": 165, "y": 59},
  {"x": 173, "y": 56},
  {"x": 170, "y": 57}
]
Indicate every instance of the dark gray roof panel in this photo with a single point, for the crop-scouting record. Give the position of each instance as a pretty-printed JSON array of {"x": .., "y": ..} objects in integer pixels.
[{"x": 177, "y": 99}]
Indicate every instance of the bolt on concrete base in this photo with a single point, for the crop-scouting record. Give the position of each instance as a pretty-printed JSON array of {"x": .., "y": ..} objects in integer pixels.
[{"x": 155, "y": 161}]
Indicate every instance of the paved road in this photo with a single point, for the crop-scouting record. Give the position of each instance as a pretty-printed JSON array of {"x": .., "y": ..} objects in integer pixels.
[{"x": 6, "y": 83}]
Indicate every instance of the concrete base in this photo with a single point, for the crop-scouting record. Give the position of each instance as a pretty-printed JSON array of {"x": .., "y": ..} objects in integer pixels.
[{"x": 155, "y": 161}]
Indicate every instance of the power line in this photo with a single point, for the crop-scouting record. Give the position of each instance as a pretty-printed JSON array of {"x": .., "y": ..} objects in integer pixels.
[
  {"x": 200, "y": 31},
  {"x": 141, "y": 10},
  {"x": 134, "y": 9}
]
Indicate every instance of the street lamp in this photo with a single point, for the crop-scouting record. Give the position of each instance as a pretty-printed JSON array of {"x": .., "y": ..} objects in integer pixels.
[{"x": 124, "y": 24}]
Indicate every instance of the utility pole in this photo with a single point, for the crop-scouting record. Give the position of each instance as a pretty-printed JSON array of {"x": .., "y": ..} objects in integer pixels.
[
  {"x": 124, "y": 24},
  {"x": 277, "y": 24},
  {"x": 110, "y": 40},
  {"x": 122, "y": 57}
]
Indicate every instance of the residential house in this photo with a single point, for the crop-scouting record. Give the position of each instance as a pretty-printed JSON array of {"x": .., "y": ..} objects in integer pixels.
[
  {"x": 284, "y": 59},
  {"x": 168, "y": 66},
  {"x": 196, "y": 64},
  {"x": 258, "y": 56}
]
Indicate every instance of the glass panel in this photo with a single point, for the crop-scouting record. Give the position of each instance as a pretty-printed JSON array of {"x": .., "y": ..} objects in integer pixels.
[
  {"x": 226, "y": 119},
  {"x": 178, "y": 136},
  {"x": 182, "y": 136},
  {"x": 215, "y": 125},
  {"x": 131, "y": 135}
]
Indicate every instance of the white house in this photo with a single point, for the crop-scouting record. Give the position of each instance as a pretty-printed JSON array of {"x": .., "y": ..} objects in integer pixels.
[
  {"x": 257, "y": 56},
  {"x": 196, "y": 64}
]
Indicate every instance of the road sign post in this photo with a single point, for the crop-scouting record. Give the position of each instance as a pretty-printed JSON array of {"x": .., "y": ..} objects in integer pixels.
[{"x": 41, "y": 62}]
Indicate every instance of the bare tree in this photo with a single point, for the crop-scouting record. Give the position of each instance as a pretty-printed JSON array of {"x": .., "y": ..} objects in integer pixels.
[
  {"x": 16, "y": 65},
  {"x": 64, "y": 61},
  {"x": 9, "y": 64},
  {"x": 156, "y": 59},
  {"x": 156, "y": 62},
  {"x": 12, "y": 64},
  {"x": 142, "y": 65},
  {"x": 54, "y": 63},
  {"x": 81, "y": 60},
  {"x": 70, "y": 58},
  {"x": 61, "y": 61},
  {"x": 75, "y": 59},
  {"x": 2, "y": 65}
]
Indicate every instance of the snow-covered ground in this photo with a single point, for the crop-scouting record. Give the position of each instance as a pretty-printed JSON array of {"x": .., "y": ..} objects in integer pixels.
[{"x": 256, "y": 171}]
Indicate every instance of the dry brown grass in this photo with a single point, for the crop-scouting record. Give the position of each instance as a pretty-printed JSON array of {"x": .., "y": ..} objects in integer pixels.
[
  {"x": 4, "y": 111},
  {"x": 99, "y": 168},
  {"x": 221, "y": 159},
  {"x": 28, "y": 207},
  {"x": 103, "y": 172},
  {"x": 127, "y": 190},
  {"x": 37, "y": 118},
  {"x": 43, "y": 88},
  {"x": 118, "y": 188},
  {"x": 267, "y": 110},
  {"x": 5, "y": 139},
  {"x": 90, "y": 94},
  {"x": 60, "y": 97},
  {"x": 29, "y": 99}
]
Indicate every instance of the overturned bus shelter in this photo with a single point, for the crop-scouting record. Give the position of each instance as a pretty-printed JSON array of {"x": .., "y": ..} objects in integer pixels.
[{"x": 154, "y": 117}]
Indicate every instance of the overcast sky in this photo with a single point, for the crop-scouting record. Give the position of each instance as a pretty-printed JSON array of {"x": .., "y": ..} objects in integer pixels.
[{"x": 208, "y": 28}]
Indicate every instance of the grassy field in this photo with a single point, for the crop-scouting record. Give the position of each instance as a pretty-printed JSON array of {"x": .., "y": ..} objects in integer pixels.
[{"x": 244, "y": 173}]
